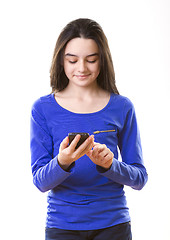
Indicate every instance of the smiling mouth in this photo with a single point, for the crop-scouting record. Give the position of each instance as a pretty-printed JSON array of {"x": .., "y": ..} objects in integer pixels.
[{"x": 82, "y": 75}]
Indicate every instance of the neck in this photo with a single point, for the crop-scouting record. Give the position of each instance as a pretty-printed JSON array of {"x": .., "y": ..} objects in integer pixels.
[{"x": 82, "y": 92}]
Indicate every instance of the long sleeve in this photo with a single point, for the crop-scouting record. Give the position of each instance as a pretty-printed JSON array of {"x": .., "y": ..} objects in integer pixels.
[
  {"x": 87, "y": 192},
  {"x": 47, "y": 173},
  {"x": 131, "y": 170}
]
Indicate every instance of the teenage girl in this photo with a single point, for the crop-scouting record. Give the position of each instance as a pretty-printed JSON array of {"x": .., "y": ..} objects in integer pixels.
[{"x": 85, "y": 185}]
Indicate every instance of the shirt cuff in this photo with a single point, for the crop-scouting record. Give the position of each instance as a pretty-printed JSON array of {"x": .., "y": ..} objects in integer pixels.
[
  {"x": 101, "y": 169},
  {"x": 70, "y": 168}
]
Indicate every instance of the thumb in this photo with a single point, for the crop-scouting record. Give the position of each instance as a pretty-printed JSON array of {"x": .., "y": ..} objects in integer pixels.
[{"x": 64, "y": 143}]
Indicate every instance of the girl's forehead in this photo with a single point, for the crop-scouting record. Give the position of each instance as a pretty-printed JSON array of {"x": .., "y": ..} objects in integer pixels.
[{"x": 81, "y": 47}]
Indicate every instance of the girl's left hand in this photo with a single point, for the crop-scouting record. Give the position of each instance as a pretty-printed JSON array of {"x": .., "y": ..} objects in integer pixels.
[{"x": 101, "y": 155}]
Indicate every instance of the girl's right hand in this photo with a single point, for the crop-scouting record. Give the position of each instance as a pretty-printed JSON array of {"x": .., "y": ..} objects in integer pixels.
[{"x": 68, "y": 154}]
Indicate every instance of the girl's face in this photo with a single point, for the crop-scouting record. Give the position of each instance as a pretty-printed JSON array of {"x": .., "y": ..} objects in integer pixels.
[{"x": 81, "y": 62}]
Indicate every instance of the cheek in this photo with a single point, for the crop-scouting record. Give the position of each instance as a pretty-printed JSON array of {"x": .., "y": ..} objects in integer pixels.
[
  {"x": 96, "y": 69},
  {"x": 67, "y": 69}
]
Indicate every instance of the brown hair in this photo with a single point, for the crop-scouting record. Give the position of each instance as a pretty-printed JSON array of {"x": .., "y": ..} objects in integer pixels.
[{"x": 88, "y": 29}]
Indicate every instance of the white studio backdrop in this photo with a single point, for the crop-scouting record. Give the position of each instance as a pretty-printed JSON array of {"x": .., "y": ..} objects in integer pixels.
[{"x": 138, "y": 32}]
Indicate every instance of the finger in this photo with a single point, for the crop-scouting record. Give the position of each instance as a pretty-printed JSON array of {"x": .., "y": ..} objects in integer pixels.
[
  {"x": 102, "y": 155},
  {"x": 96, "y": 144},
  {"x": 86, "y": 146},
  {"x": 108, "y": 164},
  {"x": 97, "y": 150},
  {"x": 73, "y": 144},
  {"x": 100, "y": 147},
  {"x": 64, "y": 143},
  {"x": 89, "y": 153},
  {"x": 108, "y": 159},
  {"x": 109, "y": 156}
]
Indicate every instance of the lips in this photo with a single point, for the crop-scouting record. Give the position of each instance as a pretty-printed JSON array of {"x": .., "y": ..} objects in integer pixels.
[{"x": 82, "y": 76}]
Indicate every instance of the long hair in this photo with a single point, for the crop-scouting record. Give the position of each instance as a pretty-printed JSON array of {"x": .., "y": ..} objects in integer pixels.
[{"x": 88, "y": 29}]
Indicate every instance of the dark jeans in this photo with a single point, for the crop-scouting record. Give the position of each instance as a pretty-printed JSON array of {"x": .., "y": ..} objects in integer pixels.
[{"x": 118, "y": 232}]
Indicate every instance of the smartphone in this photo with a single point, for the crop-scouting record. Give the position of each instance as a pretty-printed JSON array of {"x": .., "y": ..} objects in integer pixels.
[{"x": 84, "y": 136}]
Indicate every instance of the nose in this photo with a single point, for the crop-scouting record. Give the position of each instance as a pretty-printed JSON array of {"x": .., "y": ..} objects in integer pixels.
[{"x": 82, "y": 66}]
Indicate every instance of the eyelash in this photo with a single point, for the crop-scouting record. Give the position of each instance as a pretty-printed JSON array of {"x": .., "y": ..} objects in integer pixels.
[
  {"x": 73, "y": 62},
  {"x": 91, "y": 61}
]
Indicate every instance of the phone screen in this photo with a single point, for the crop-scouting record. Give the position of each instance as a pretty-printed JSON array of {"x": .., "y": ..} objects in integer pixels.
[{"x": 84, "y": 136}]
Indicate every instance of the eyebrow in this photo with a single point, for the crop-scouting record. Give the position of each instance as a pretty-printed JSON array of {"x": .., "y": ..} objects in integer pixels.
[{"x": 73, "y": 55}]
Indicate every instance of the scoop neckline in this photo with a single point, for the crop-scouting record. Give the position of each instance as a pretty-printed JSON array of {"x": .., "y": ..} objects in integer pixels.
[{"x": 82, "y": 114}]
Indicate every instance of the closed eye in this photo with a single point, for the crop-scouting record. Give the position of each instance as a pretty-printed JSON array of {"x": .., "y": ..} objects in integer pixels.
[
  {"x": 72, "y": 62},
  {"x": 91, "y": 61}
]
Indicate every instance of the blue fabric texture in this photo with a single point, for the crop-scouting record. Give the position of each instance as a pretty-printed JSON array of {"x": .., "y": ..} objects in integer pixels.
[{"x": 86, "y": 197}]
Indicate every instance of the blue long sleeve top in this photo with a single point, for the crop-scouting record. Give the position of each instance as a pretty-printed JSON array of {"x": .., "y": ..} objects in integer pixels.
[{"x": 86, "y": 196}]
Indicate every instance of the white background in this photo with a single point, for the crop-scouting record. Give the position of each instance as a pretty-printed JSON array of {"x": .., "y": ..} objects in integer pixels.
[{"x": 138, "y": 32}]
